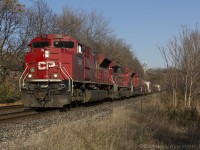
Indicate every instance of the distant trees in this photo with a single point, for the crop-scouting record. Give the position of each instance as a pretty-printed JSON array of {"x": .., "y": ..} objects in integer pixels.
[
  {"x": 93, "y": 30},
  {"x": 182, "y": 58},
  {"x": 156, "y": 76},
  {"x": 18, "y": 25}
]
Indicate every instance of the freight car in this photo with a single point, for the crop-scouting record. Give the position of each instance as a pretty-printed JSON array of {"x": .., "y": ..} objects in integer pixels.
[
  {"x": 156, "y": 88},
  {"x": 59, "y": 70}
]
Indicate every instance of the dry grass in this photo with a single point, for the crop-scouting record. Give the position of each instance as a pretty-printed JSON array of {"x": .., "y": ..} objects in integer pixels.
[
  {"x": 128, "y": 127},
  {"x": 98, "y": 132}
]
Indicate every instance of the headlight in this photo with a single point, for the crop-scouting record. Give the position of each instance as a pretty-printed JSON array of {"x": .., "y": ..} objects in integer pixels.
[
  {"x": 46, "y": 53},
  {"x": 55, "y": 75},
  {"x": 30, "y": 75}
]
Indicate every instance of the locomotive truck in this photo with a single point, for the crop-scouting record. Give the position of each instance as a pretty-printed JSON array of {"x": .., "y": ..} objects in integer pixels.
[{"x": 60, "y": 70}]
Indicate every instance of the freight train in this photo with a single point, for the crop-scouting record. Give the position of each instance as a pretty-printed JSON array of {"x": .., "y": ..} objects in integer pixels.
[{"x": 60, "y": 70}]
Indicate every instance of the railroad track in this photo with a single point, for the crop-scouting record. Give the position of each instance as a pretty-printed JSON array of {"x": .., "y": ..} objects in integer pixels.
[
  {"x": 23, "y": 112},
  {"x": 15, "y": 115},
  {"x": 14, "y": 111},
  {"x": 17, "y": 111},
  {"x": 27, "y": 113},
  {"x": 11, "y": 109}
]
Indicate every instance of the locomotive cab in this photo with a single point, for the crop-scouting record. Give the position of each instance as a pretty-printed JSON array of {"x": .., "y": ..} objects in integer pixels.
[{"x": 45, "y": 81}]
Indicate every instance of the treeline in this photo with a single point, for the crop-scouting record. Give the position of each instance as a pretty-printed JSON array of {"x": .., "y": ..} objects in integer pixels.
[
  {"x": 18, "y": 25},
  {"x": 182, "y": 59}
]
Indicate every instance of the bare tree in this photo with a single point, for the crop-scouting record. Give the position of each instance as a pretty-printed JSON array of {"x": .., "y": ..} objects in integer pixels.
[
  {"x": 71, "y": 22},
  {"x": 171, "y": 56},
  {"x": 88, "y": 28},
  {"x": 182, "y": 57},
  {"x": 40, "y": 19},
  {"x": 190, "y": 65},
  {"x": 96, "y": 27},
  {"x": 11, "y": 20}
]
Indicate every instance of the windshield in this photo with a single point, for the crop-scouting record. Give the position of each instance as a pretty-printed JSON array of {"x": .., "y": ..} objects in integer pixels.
[
  {"x": 65, "y": 44},
  {"x": 40, "y": 44}
]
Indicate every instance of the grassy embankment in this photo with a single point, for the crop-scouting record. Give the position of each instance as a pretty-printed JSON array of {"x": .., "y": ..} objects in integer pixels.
[{"x": 156, "y": 125}]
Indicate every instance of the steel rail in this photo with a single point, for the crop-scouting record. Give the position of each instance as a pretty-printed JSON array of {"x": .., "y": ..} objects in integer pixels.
[
  {"x": 17, "y": 114},
  {"x": 11, "y": 109}
]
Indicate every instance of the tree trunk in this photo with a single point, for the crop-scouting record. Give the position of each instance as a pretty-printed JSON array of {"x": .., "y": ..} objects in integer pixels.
[
  {"x": 190, "y": 93},
  {"x": 186, "y": 88}
]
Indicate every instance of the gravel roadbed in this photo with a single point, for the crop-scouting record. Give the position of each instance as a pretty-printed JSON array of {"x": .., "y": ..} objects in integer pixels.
[{"x": 22, "y": 128}]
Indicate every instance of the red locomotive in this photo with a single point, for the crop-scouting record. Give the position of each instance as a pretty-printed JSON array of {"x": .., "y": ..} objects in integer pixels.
[{"x": 60, "y": 70}]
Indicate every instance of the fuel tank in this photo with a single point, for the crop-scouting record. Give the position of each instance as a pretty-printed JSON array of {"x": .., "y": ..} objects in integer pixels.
[{"x": 95, "y": 95}]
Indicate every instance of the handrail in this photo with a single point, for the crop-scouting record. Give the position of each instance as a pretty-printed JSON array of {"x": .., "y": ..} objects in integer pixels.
[
  {"x": 111, "y": 79},
  {"x": 115, "y": 83},
  {"x": 67, "y": 74},
  {"x": 63, "y": 70},
  {"x": 131, "y": 85},
  {"x": 71, "y": 80},
  {"x": 20, "y": 87}
]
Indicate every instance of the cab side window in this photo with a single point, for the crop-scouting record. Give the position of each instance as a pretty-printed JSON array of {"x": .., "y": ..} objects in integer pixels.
[
  {"x": 80, "y": 49},
  {"x": 64, "y": 44},
  {"x": 40, "y": 44}
]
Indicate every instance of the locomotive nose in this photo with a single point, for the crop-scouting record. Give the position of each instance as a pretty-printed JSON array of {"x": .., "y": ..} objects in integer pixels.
[{"x": 42, "y": 97}]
